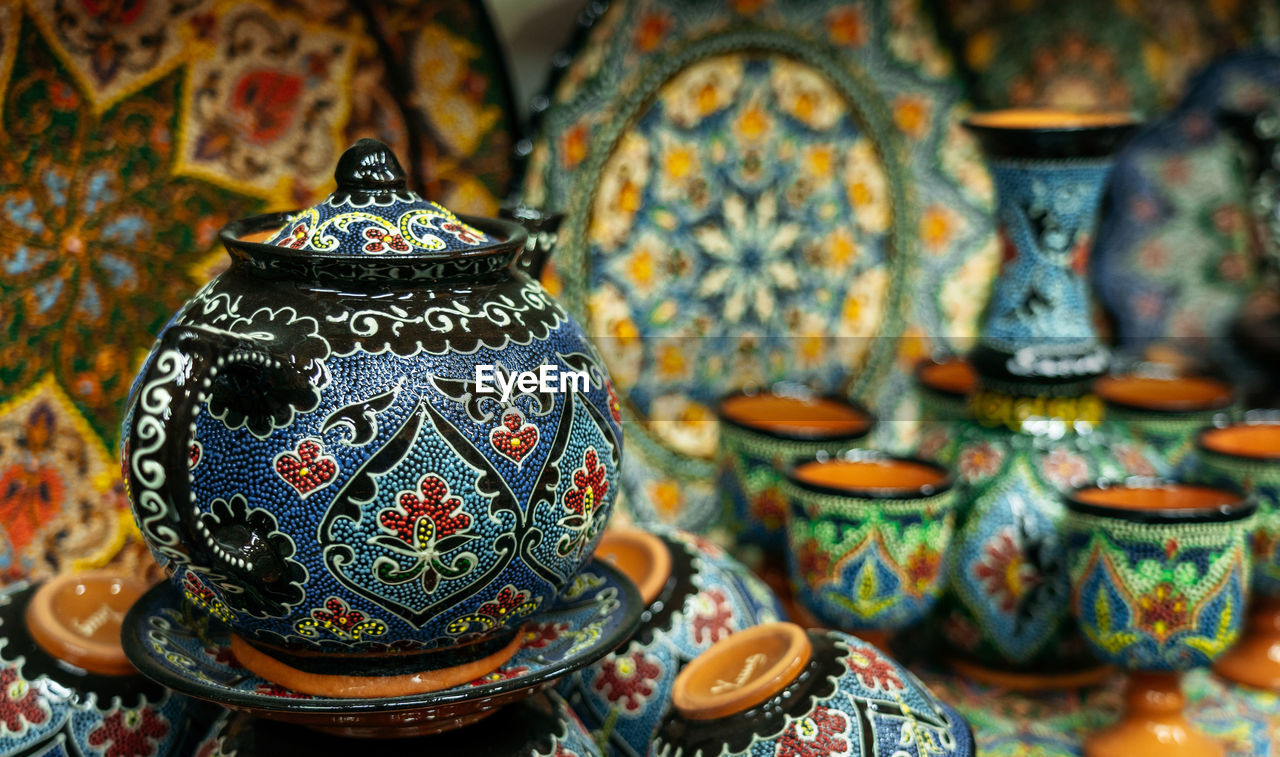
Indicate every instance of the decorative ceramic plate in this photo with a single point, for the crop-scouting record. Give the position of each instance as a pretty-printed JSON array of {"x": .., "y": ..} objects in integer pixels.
[
  {"x": 190, "y": 653},
  {"x": 755, "y": 191}
]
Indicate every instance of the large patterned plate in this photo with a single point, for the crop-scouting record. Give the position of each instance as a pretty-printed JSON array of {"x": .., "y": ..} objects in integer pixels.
[{"x": 754, "y": 191}]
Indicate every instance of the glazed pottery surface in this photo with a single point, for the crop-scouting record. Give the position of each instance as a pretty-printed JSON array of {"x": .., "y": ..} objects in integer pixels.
[
  {"x": 1165, "y": 412},
  {"x": 867, "y": 538},
  {"x": 760, "y": 433},
  {"x": 309, "y": 454},
  {"x": 835, "y": 695},
  {"x": 706, "y": 596},
  {"x": 542, "y": 725},
  {"x": 55, "y": 706},
  {"x": 178, "y": 645}
]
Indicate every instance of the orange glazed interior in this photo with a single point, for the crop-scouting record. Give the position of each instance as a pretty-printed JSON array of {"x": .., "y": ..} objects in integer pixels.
[
  {"x": 76, "y": 618},
  {"x": 1184, "y": 394},
  {"x": 742, "y": 671},
  {"x": 954, "y": 376},
  {"x": 641, "y": 556},
  {"x": 1165, "y": 497},
  {"x": 1048, "y": 118},
  {"x": 818, "y": 416},
  {"x": 1260, "y": 440},
  {"x": 854, "y": 475}
]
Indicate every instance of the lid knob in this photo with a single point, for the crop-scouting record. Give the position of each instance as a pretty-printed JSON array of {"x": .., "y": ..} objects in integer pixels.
[{"x": 368, "y": 168}]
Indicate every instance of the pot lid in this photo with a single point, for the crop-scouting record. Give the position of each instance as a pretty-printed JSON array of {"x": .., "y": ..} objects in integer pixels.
[{"x": 373, "y": 213}]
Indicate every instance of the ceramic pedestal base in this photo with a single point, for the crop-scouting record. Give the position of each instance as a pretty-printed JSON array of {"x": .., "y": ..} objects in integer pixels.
[
  {"x": 1153, "y": 724},
  {"x": 1029, "y": 682},
  {"x": 367, "y": 686},
  {"x": 1255, "y": 660}
]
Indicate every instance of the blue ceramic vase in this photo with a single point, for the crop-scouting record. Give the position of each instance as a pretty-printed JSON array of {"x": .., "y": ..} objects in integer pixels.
[{"x": 315, "y": 458}]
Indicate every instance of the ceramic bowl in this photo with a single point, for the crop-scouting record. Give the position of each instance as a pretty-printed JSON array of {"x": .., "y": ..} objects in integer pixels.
[
  {"x": 776, "y": 689},
  {"x": 65, "y": 684},
  {"x": 695, "y": 595},
  {"x": 1165, "y": 411},
  {"x": 762, "y": 431}
]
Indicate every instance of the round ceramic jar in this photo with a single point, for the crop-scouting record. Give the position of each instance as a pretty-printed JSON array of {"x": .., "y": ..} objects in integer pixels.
[
  {"x": 944, "y": 387},
  {"x": 776, "y": 689},
  {"x": 1165, "y": 411},
  {"x": 65, "y": 684},
  {"x": 372, "y": 435},
  {"x": 695, "y": 596}
]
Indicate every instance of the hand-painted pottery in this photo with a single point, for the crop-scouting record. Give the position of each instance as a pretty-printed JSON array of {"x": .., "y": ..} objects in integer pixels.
[
  {"x": 778, "y": 690},
  {"x": 760, "y": 432},
  {"x": 541, "y": 726},
  {"x": 312, "y": 454},
  {"x": 756, "y": 192},
  {"x": 130, "y": 136},
  {"x": 66, "y": 687},
  {"x": 1159, "y": 583},
  {"x": 868, "y": 535},
  {"x": 180, "y": 646},
  {"x": 1165, "y": 411},
  {"x": 943, "y": 387},
  {"x": 1248, "y": 455},
  {"x": 695, "y": 595},
  {"x": 1034, "y": 428}
]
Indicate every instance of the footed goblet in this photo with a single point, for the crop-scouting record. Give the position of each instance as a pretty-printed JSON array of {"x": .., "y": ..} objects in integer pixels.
[{"x": 1159, "y": 582}]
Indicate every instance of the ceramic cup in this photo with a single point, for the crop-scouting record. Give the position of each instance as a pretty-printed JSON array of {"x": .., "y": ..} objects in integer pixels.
[
  {"x": 1165, "y": 411},
  {"x": 1159, "y": 582},
  {"x": 867, "y": 538},
  {"x": 64, "y": 677},
  {"x": 944, "y": 386},
  {"x": 777, "y": 689},
  {"x": 761, "y": 431},
  {"x": 1248, "y": 455}
]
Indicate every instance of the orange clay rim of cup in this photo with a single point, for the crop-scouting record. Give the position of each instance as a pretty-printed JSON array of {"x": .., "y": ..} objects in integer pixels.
[
  {"x": 865, "y": 422},
  {"x": 640, "y": 556},
  {"x": 742, "y": 671},
  {"x": 1049, "y": 119},
  {"x": 76, "y": 618},
  {"x": 1154, "y": 394},
  {"x": 953, "y": 377},
  {"x": 1259, "y": 441},
  {"x": 1167, "y": 502},
  {"x": 944, "y": 483}
]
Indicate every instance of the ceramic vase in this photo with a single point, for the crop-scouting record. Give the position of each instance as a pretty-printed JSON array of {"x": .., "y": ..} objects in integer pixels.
[
  {"x": 345, "y": 442},
  {"x": 1165, "y": 411},
  {"x": 1033, "y": 427},
  {"x": 696, "y": 595},
  {"x": 776, "y": 689}
]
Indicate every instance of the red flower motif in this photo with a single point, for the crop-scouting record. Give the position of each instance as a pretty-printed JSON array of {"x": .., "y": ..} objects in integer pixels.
[
  {"x": 19, "y": 703},
  {"x": 1003, "y": 572},
  {"x": 297, "y": 238},
  {"x": 922, "y": 569},
  {"x": 337, "y": 613},
  {"x": 821, "y": 733},
  {"x": 508, "y": 602},
  {"x": 979, "y": 460},
  {"x": 131, "y": 733},
  {"x": 769, "y": 508},
  {"x": 873, "y": 670},
  {"x": 628, "y": 679},
  {"x": 435, "y": 507},
  {"x": 615, "y": 407},
  {"x": 711, "y": 616},
  {"x": 1162, "y": 612},
  {"x": 539, "y": 635},
  {"x": 381, "y": 241},
  {"x": 814, "y": 561},
  {"x": 462, "y": 232},
  {"x": 1135, "y": 463},
  {"x": 1065, "y": 469},
  {"x": 263, "y": 103},
  {"x": 589, "y": 486}
]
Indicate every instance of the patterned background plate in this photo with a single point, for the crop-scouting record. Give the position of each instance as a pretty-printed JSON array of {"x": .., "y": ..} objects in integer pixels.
[
  {"x": 190, "y": 653},
  {"x": 758, "y": 190}
]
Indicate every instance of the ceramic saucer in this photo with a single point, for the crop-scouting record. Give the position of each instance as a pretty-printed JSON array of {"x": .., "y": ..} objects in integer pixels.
[{"x": 191, "y": 653}]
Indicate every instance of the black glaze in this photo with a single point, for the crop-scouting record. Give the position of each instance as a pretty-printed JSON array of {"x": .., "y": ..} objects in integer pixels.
[
  {"x": 1242, "y": 508},
  {"x": 660, "y": 615},
  {"x": 1052, "y": 143}
]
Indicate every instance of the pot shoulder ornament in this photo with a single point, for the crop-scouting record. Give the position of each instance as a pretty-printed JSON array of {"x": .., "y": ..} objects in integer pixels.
[{"x": 315, "y": 450}]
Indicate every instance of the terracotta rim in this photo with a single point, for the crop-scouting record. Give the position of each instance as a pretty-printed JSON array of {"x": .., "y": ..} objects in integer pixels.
[
  {"x": 867, "y": 417},
  {"x": 1215, "y": 440},
  {"x": 1183, "y": 503},
  {"x": 954, "y": 377},
  {"x": 946, "y": 479},
  {"x": 1056, "y": 119},
  {"x": 1159, "y": 395},
  {"x": 742, "y": 671},
  {"x": 368, "y": 687},
  {"x": 53, "y": 629},
  {"x": 640, "y": 556}
]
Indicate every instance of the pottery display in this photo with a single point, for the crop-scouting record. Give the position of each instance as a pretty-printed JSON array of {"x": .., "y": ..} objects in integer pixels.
[
  {"x": 66, "y": 686},
  {"x": 868, "y": 535},
  {"x": 757, "y": 192},
  {"x": 180, "y": 646},
  {"x": 1165, "y": 411},
  {"x": 778, "y": 689},
  {"x": 314, "y": 456},
  {"x": 539, "y": 726},
  {"x": 1034, "y": 428},
  {"x": 1160, "y": 579},
  {"x": 1248, "y": 455},
  {"x": 695, "y": 595},
  {"x": 760, "y": 433}
]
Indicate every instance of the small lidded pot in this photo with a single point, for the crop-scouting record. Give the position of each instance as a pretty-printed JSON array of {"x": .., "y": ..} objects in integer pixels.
[
  {"x": 1165, "y": 411},
  {"x": 372, "y": 440},
  {"x": 778, "y": 689},
  {"x": 760, "y": 433}
]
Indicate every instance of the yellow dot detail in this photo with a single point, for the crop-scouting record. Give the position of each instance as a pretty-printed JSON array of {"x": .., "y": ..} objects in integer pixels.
[
  {"x": 515, "y": 442},
  {"x": 304, "y": 471}
]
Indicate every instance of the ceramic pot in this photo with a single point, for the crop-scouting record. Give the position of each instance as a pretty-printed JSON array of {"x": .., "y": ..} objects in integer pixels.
[
  {"x": 65, "y": 684},
  {"x": 695, "y": 596},
  {"x": 760, "y": 432},
  {"x": 1034, "y": 431},
  {"x": 1248, "y": 455},
  {"x": 1165, "y": 411},
  {"x": 868, "y": 534},
  {"x": 777, "y": 689},
  {"x": 313, "y": 456},
  {"x": 944, "y": 387},
  {"x": 539, "y": 726},
  {"x": 1159, "y": 581}
]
